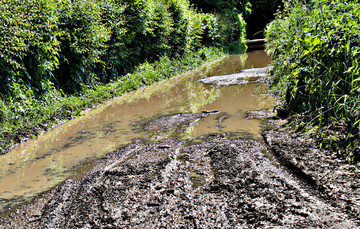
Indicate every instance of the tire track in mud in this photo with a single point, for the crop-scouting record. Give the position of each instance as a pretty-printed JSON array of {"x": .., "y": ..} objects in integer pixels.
[
  {"x": 323, "y": 174},
  {"x": 219, "y": 183}
]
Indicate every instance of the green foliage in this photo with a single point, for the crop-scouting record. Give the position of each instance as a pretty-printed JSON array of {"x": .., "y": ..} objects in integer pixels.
[
  {"x": 317, "y": 53},
  {"x": 143, "y": 36},
  {"x": 77, "y": 44},
  {"x": 224, "y": 30},
  {"x": 232, "y": 31},
  {"x": 186, "y": 27},
  {"x": 210, "y": 27},
  {"x": 29, "y": 47},
  {"x": 83, "y": 42}
]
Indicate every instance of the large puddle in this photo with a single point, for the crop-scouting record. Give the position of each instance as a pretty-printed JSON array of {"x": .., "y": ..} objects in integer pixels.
[{"x": 38, "y": 165}]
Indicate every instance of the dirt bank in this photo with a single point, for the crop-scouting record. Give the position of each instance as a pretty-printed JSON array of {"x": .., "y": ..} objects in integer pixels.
[{"x": 219, "y": 183}]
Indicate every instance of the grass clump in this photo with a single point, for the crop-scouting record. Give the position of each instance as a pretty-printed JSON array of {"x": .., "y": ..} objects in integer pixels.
[{"x": 315, "y": 45}]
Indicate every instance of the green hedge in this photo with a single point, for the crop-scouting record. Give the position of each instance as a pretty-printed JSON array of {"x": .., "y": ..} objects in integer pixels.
[
  {"x": 317, "y": 53},
  {"x": 82, "y": 43},
  {"x": 29, "y": 45}
]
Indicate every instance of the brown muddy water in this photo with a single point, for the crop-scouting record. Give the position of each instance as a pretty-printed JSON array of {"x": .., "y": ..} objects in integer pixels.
[{"x": 38, "y": 165}]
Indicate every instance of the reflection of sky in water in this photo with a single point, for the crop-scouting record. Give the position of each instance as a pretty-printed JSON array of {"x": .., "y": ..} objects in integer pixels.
[{"x": 38, "y": 165}]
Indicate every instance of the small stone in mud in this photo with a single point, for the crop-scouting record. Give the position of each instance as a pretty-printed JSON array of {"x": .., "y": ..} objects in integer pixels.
[
  {"x": 262, "y": 114},
  {"x": 221, "y": 127},
  {"x": 194, "y": 122}
]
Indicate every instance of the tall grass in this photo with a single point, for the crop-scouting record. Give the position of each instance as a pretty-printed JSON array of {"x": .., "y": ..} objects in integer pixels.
[{"x": 316, "y": 47}]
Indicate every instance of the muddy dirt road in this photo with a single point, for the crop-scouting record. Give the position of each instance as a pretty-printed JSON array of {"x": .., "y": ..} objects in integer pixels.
[
  {"x": 218, "y": 183},
  {"x": 185, "y": 174}
]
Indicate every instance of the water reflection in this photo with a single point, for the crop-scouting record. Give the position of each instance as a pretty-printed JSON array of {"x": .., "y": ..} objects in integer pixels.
[{"x": 38, "y": 165}]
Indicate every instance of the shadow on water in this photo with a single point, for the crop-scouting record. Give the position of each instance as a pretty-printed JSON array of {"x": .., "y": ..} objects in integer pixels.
[{"x": 37, "y": 165}]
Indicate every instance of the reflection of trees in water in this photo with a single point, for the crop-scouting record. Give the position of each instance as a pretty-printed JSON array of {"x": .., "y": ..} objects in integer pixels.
[
  {"x": 199, "y": 96},
  {"x": 182, "y": 90},
  {"x": 231, "y": 64}
]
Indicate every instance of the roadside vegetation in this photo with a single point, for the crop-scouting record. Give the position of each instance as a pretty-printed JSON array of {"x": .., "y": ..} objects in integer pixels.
[
  {"x": 316, "y": 51},
  {"x": 60, "y": 57}
]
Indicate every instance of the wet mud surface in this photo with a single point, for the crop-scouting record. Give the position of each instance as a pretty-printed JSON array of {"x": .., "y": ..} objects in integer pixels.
[
  {"x": 218, "y": 183},
  {"x": 333, "y": 179}
]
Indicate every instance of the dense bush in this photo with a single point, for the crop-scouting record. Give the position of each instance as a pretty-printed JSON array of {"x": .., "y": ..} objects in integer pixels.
[
  {"x": 81, "y": 43},
  {"x": 224, "y": 30},
  {"x": 232, "y": 31},
  {"x": 29, "y": 46},
  {"x": 317, "y": 54},
  {"x": 210, "y": 6},
  {"x": 187, "y": 27}
]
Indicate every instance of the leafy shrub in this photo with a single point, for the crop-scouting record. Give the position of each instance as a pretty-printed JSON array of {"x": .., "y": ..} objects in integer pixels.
[
  {"x": 316, "y": 50},
  {"x": 232, "y": 31},
  {"x": 210, "y": 27},
  {"x": 116, "y": 54},
  {"x": 147, "y": 28},
  {"x": 239, "y": 6},
  {"x": 157, "y": 31},
  {"x": 83, "y": 43},
  {"x": 224, "y": 30},
  {"x": 186, "y": 31},
  {"x": 77, "y": 44},
  {"x": 29, "y": 47}
]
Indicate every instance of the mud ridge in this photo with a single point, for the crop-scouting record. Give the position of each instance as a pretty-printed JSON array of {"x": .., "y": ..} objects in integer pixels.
[{"x": 333, "y": 179}]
